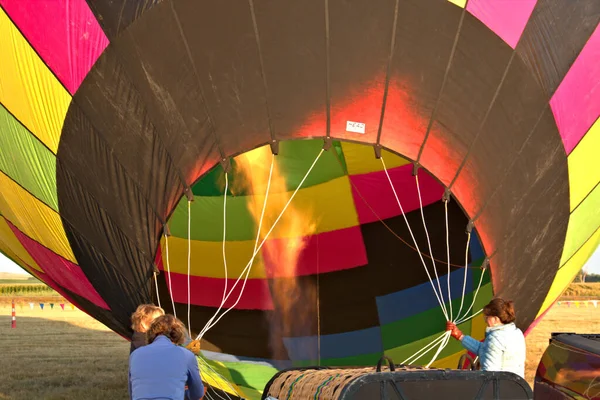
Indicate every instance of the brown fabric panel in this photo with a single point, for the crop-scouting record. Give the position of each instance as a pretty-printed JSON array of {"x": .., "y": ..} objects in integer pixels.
[
  {"x": 424, "y": 37},
  {"x": 479, "y": 63},
  {"x": 518, "y": 107},
  {"x": 555, "y": 34},
  {"x": 529, "y": 234},
  {"x": 116, "y": 15},
  {"x": 152, "y": 53},
  {"x": 221, "y": 37},
  {"x": 293, "y": 44}
]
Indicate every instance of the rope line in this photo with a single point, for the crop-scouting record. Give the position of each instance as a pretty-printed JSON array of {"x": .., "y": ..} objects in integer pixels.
[
  {"x": 437, "y": 278},
  {"x": 233, "y": 389},
  {"x": 463, "y": 319},
  {"x": 156, "y": 286},
  {"x": 169, "y": 275},
  {"x": 413, "y": 238},
  {"x": 462, "y": 299},
  {"x": 448, "y": 255},
  {"x": 446, "y": 339},
  {"x": 209, "y": 323},
  {"x": 425, "y": 349},
  {"x": 189, "y": 267},
  {"x": 249, "y": 265}
]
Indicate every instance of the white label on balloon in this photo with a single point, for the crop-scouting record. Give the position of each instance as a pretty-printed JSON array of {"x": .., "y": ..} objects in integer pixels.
[{"x": 357, "y": 127}]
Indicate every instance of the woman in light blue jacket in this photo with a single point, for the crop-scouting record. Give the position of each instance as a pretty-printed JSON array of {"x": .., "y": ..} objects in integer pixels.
[{"x": 504, "y": 346}]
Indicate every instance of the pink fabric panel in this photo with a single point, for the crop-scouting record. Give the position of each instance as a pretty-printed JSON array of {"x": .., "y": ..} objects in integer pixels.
[
  {"x": 209, "y": 292},
  {"x": 48, "y": 281},
  {"x": 324, "y": 252},
  {"x": 64, "y": 33},
  {"x": 576, "y": 102},
  {"x": 61, "y": 271},
  {"x": 506, "y": 18},
  {"x": 376, "y": 191}
]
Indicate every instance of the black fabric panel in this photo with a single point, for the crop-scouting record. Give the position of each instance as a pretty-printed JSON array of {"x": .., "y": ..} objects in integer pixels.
[
  {"x": 116, "y": 15},
  {"x": 153, "y": 54},
  {"x": 477, "y": 68},
  {"x": 221, "y": 37},
  {"x": 117, "y": 112},
  {"x": 121, "y": 295},
  {"x": 518, "y": 107},
  {"x": 424, "y": 38},
  {"x": 292, "y": 36},
  {"x": 239, "y": 332},
  {"x": 103, "y": 196},
  {"x": 530, "y": 231},
  {"x": 554, "y": 36},
  {"x": 348, "y": 297}
]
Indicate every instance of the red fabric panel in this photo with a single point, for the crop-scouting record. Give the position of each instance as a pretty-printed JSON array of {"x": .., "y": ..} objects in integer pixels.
[
  {"x": 63, "y": 272},
  {"x": 64, "y": 33},
  {"x": 209, "y": 292},
  {"x": 325, "y": 252},
  {"x": 375, "y": 189}
]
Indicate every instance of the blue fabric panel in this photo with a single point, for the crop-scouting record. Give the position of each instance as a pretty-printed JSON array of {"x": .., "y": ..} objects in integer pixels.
[
  {"x": 365, "y": 341},
  {"x": 415, "y": 300}
]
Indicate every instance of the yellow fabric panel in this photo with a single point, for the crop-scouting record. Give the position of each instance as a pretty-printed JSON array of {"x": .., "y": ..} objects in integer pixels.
[
  {"x": 360, "y": 159},
  {"x": 28, "y": 89},
  {"x": 567, "y": 272},
  {"x": 450, "y": 362},
  {"x": 584, "y": 167},
  {"x": 33, "y": 218},
  {"x": 478, "y": 327},
  {"x": 13, "y": 248},
  {"x": 207, "y": 258},
  {"x": 460, "y": 3}
]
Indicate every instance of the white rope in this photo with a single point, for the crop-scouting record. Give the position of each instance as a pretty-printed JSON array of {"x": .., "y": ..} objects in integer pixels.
[
  {"x": 414, "y": 240},
  {"x": 429, "y": 245},
  {"x": 462, "y": 299},
  {"x": 461, "y": 320},
  {"x": 442, "y": 346},
  {"x": 156, "y": 285},
  {"x": 189, "y": 267},
  {"x": 423, "y": 350},
  {"x": 448, "y": 255},
  {"x": 224, "y": 237},
  {"x": 262, "y": 214},
  {"x": 169, "y": 275},
  {"x": 249, "y": 265}
]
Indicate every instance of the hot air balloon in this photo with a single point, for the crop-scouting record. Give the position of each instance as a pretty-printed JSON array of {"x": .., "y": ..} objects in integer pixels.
[{"x": 433, "y": 155}]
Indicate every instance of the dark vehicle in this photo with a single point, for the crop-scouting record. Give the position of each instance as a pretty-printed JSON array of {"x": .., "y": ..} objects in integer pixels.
[{"x": 569, "y": 368}]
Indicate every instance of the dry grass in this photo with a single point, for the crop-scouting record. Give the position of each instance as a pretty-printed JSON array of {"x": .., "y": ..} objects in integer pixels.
[
  {"x": 55, "y": 354},
  {"x": 582, "y": 290}
]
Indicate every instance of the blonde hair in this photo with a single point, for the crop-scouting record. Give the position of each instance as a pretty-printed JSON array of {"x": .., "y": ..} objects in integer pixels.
[
  {"x": 169, "y": 326},
  {"x": 143, "y": 316}
]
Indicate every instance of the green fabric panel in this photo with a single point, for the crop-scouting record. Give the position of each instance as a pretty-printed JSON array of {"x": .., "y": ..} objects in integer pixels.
[
  {"x": 26, "y": 160},
  {"x": 207, "y": 219},
  {"x": 583, "y": 222},
  {"x": 361, "y": 360},
  {"x": 250, "y": 375},
  {"x": 421, "y": 325},
  {"x": 337, "y": 145},
  {"x": 294, "y": 159}
]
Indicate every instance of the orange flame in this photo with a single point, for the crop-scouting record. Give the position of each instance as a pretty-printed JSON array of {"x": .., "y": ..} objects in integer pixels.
[{"x": 294, "y": 299}]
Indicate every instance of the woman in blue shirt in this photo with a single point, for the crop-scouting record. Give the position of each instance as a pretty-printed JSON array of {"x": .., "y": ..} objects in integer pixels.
[
  {"x": 162, "y": 369},
  {"x": 504, "y": 346}
]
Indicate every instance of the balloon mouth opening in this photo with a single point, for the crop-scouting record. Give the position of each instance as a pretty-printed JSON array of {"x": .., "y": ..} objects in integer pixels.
[{"x": 296, "y": 220}]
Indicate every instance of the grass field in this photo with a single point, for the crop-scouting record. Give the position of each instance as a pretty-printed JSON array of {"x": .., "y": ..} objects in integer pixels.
[{"x": 55, "y": 354}]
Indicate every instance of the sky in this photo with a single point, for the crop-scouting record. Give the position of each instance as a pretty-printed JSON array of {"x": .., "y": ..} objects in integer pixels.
[{"x": 7, "y": 265}]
